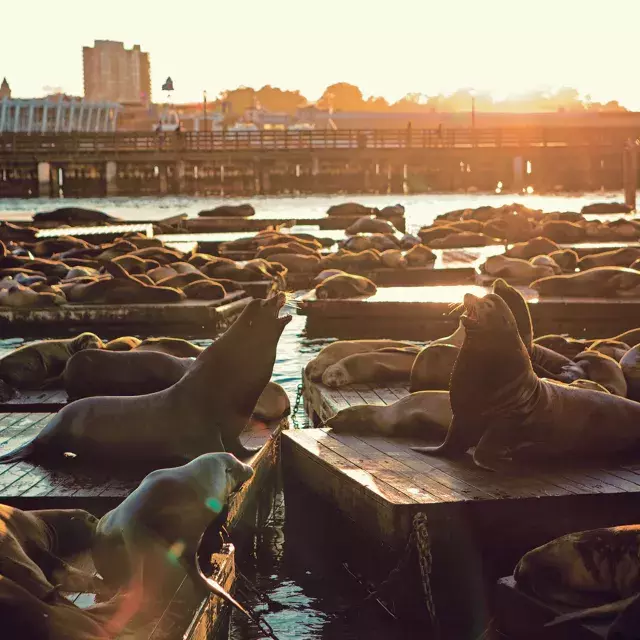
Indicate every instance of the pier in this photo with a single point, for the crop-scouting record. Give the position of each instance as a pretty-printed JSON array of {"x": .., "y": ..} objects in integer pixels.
[{"x": 279, "y": 161}]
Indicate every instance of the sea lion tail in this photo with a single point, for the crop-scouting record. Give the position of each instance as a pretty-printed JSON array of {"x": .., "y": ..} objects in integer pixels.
[
  {"x": 602, "y": 611},
  {"x": 23, "y": 452}
]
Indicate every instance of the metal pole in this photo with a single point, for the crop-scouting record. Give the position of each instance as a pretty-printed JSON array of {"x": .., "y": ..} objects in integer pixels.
[{"x": 204, "y": 93}]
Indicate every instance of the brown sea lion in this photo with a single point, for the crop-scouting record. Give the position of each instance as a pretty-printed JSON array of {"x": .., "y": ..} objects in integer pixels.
[
  {"x": 566, "y": 259},
  {"x": 211, "y": 404},
  {"x": 584, "y": 569},
  {"x": 114, "y": 250},
  {"x": 381, "y": 366},
  {"x": 177, "y": 347},
  {"x": 351, "y": 209},
  {"x": 612, "y": 348},
  {"x": 382, "y": 242},
  {"x": 598, "y": 282},
  {"x": 180, "y": 280},
  {"x": 604, "y": 370},
  {"x": 563, "y": 231},
  {"x": 204, "y": 289},
  {"x": 514, "y": 269},
  {"x": 581, "y": 383},
  {"x": 273, "y": 404},
  {"x": 45, "y": 248},
  {"x": 546, "y": 262},
  {"x": 630, "y": 365},
  {"x": 336, "y": 351},
  {"x": 134, "y": 265},
  {"x": 393, "y": 259},
  {"x": 123, "y": 343},
  {"x": 159, "y": 254},
  {"x": 370, "y": 225},
  {"x": 21, "y": 297},
  {"x": 363, "y": 261},
  {"x": 432, "y": 368},
  {"x": 229, "y": 210},
  {"x": 532, "y": 248},
  {"x": 153, "y": 535},
  {"x": 40, "y": 364},
  {"x": 463, "y": 239},
  {"x": 568, "y": 347},
  {"x": 121, "y": 373},
  {"x": 508, "y": 412},
  {"x": 631, "y": 337},
  {"x": 345, "y": 285},
  {"x": 289, "y": 247},
  {"x": 420, "y": 256},
  {"x": 422, "y": 414},
  {"x": 27, "y": 617},
  {"x": 35, "y": 545},
  {"x": 624, "y": 257},
  {"x": 162, "y": 273}
]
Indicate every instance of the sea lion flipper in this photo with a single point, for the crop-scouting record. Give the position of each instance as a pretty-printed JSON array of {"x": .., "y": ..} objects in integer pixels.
[
  {"x": 490, "y": 450},
  {"x": 233, "y": 445},
  {"x": 460, "y": 438},
  {"x": 603, "y": 611}
]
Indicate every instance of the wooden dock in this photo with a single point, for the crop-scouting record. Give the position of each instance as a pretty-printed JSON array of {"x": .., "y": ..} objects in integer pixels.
[
  {"x": 425, "y": 313},
  {"x": 189, "y": 318},
  {"x": 480, "y": 522}
]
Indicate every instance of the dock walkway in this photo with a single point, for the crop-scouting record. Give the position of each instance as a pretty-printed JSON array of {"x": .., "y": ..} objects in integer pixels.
[{"x": 480, "y": 522}]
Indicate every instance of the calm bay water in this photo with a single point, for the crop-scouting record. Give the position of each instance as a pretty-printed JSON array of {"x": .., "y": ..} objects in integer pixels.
[{"x": 315, "y": 597}]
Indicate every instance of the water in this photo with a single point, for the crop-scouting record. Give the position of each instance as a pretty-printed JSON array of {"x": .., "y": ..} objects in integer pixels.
[
  {"x": 294, "y": 563},
  {"x": 420, "y": 209}
]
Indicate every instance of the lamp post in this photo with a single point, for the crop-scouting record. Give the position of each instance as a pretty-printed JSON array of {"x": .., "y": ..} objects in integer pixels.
[{"x": 204, "y": 95}]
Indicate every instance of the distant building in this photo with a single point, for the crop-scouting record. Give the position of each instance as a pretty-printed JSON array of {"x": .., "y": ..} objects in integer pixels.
[
  {"x": 5, "y": 89},
  {"x": 116, "y": 74}
]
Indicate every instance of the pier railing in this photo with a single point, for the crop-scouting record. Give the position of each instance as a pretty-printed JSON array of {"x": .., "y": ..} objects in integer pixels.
[{"x": 341, "y": 140}]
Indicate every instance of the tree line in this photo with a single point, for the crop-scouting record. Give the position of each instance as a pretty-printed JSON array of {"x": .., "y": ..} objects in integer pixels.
[{"x": 343, "y": 96}]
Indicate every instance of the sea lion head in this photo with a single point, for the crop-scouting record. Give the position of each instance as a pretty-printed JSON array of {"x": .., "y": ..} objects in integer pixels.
[
  {"x": 220, "y": 475},
  {"x": 488, "y": 314},
  {"x": 358, "y": 419},
  {"x": 87, "y": 340},
  {"x": 265, "y": 314},
  {"x": 71, "y": 530}
]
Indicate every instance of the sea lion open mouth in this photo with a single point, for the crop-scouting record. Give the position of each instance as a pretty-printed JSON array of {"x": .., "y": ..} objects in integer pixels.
[
  {"x": 470, "y": 315},
  {"x": 277, "y": 302}
]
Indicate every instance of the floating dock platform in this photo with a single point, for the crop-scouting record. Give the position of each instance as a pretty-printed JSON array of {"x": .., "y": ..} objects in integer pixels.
[
  {"x": 188, "y": 318},
  {"x": 479, "y": 522},
  {"x": 426, "y": 313}
]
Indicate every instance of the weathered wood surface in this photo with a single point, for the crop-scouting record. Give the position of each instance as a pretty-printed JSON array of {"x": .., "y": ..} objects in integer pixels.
[
  {"x": 522, "y": 617},
  {"x": 424, "y": 313},
  {"x": 29, "y": 486},
  {"x": 480, "y": 522},
  {"x": 96, "y": 234},
  {"x": 189, "y": 317}
]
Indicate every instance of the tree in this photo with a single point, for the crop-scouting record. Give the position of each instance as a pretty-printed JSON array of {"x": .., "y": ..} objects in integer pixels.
[
  {"x": 274, "y": 99},
  {"x": 342, "y": 97}
]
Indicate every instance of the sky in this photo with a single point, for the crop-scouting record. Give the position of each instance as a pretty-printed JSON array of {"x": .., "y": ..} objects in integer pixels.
[{"x": 386, "y": 48}]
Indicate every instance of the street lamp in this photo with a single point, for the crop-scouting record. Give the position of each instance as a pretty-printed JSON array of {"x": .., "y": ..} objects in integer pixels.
[{"x": 204, "y": 95}]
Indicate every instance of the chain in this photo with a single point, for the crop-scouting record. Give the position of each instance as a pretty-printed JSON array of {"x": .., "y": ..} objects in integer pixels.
[
  {"x": 420, "y": 538},
  {"x": 296, "y": 406}
]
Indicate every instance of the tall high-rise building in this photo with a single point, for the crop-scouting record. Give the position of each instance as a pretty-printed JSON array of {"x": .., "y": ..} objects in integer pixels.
[{"x": 114, "y": 73}]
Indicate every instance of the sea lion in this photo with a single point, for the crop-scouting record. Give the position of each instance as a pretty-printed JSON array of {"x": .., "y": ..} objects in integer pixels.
[
  {"x": 351, "y": 209},
  {"x": 563, "y": 231},
  {"x": 546, "y": 362},
  {"x": 584, "y": 569},
  {"x": 384, "y": 365},
  {"x": 45, "y": 248},
  {"x": 13, "y": 233},
  {"x": 121, "y": 373},
  {"x": 180, "y": 280},
  {"x": 336, "y": 351},
  {"x": 159, "y": 254},
  {"x": 177, "y": 347},
  {"x": 567, "y": 347},
  {"x": 345, "y": 285},
  {"x": 514, "y": 269},
  {"x": 509, "y": 411},
  {"x": 162, "y": 273},
  {"x": 74, "y": 216},
  {"x": 393, "y": 259},
  {"x": 363, "y": 261},
  {"x": 27, "y": 617},
  {"x": 432, "y": 368},
  {"x": 630, "y": 365},
  {"x": 547, "y": 262},
  {"x": 35, "y": 544},
  {"x": 152, "y": 536},
  {"x": 581, "y": 383},
  {"x": 598, "y": 282},
  {"x": 612, "y": 348},
  {"x": 463, "y": 239},
  {"x": 382, "y": 242},
  {"x": 123, "y": 343},
  {"x": 229, "y": 211},
  {"x": 421, "y": 414},
  {"x": 409, "y": 241},
  {"x": 211, "y": 404},
  {"x": 134, "y": 265},
  {"x": 420, "y": 256},
  {"x": 566, "y": 259},
  {"x": 285, "y": 247},
  {"x": 532, "y": 248},
  {"x": 327, "y": 273},
  {"x": 40, "y": 364},
  {"x": 604, "y": 370},
  {"x": 204, "y": 289},
  {"x": 370, "y": 225},
  {"x": 631, "y": 337},
  {"x": 21, "y": 297},
  {"x": 273, "y": 404},
  {"x": 624, "y": 257}
]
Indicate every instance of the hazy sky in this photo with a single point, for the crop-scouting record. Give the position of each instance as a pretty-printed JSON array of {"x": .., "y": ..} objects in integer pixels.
[{"x": 386, "y": 48}]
